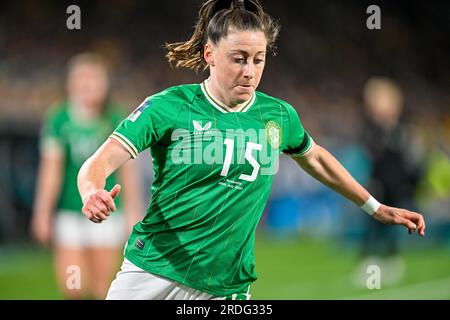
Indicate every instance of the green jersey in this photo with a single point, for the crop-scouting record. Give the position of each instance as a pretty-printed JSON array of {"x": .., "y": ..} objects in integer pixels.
[
  {"x": 213, "y": 173},
  {"x": 77, "y": 140}
]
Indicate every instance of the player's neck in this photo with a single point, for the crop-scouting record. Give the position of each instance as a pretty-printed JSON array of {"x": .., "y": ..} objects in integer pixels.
[{"x": 212, "y": 89}]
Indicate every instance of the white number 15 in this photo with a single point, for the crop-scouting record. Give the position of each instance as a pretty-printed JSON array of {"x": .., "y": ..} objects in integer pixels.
[{"x": 248, "y": 155}]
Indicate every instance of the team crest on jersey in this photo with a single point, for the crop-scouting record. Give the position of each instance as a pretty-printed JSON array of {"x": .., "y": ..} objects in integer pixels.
[
  {"x": 273, "y": 134},
  {"x": 201, "y": 129}
]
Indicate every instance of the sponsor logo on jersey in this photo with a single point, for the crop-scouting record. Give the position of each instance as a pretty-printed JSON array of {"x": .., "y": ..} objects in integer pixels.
[
  {"x": 200, "y": 129},
  {"x": 273, "y": 134}
]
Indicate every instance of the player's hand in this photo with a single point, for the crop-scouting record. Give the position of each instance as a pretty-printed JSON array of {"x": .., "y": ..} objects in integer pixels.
[
  {"x": 413, "y": 221},
  {"x": 100, "y": 204}
]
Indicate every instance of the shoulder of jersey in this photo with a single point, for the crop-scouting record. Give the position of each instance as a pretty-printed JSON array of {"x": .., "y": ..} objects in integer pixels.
[
  {"x": 265, "y": 98},
  {"x": 184, "y": 93}
]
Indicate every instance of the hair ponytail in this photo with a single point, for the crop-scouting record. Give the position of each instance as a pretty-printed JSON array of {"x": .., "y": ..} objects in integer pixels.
[
  {"x": 214, "y": 19},
  {"x": 188, "y": 54}
]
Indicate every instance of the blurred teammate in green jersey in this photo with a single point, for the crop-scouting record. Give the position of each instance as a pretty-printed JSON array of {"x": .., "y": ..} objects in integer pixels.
[
  {"x": 72, "y": 132},
  {"x": 215, "y": 148}
]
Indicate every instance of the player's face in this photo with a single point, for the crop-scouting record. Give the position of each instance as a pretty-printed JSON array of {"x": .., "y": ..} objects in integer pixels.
[
  {"x": 236, "y": 65},
  {"x": 87, "y": 86}
]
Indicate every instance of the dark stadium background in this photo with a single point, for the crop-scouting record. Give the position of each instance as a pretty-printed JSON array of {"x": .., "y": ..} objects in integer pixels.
[{"x": 310, "y": 250}]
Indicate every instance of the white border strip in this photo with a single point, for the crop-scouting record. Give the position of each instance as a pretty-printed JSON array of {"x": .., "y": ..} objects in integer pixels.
[
  {"x": 222, "y": 106},
  {"x": 210, "y": 100},
  {"x": 250, "y": 103},
  {"x": 132, "y": 151}
]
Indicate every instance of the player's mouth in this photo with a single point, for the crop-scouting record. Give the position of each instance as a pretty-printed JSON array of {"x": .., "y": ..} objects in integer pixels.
[{"x": 245, "y": 87}]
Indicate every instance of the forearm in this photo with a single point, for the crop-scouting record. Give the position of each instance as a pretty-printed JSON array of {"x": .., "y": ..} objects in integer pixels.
[
  {"x": 92, "y": 177},
  {"x": 94, "y": 172},
  {"x": 326, "y": 169},
  {"x": 321, "y": 165}
]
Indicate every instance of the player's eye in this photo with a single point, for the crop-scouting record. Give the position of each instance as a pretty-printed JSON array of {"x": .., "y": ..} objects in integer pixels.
[
  {"x": 259, "y": 61},
  {"x": 239, "y": 60}
]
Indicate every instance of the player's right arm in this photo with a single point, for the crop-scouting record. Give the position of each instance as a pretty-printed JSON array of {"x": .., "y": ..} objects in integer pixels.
[
  {"x": 148, "y": 123},
  {"x": 98, "y": 203}
]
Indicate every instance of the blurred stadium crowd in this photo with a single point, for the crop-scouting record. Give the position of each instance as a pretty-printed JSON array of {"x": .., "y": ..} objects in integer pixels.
[{"x": 325, "y": 57}]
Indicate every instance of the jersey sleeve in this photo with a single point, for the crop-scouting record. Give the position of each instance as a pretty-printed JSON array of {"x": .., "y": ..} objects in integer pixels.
[
  {"x": 148, "y": 123},
  {"x": 298, "y": 141}
]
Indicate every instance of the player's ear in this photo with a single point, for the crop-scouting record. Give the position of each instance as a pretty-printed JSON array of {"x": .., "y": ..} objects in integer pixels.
[{"x": 208, "y": 54}]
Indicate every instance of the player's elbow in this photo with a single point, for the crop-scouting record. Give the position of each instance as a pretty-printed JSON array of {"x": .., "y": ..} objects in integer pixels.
[{"x": 312, "y": 160}]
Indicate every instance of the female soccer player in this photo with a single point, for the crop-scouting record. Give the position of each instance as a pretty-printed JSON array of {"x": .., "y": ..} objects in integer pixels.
[
  {"x": 215, "y": 147},
  {"x": 85, "y": 254}
]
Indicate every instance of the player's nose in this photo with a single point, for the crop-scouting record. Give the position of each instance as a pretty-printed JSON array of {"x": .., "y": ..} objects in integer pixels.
[{"x": 249, "y": 71}]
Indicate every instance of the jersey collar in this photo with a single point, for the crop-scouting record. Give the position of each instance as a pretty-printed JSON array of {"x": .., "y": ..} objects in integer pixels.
[{"x": 221, "y": 106}]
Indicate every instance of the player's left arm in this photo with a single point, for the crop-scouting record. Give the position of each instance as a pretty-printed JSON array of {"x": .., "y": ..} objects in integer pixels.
[{"x": 321, "y": 165}]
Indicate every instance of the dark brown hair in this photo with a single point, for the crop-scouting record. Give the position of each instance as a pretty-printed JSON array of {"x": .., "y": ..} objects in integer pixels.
[{"x": 215, "y": 18}]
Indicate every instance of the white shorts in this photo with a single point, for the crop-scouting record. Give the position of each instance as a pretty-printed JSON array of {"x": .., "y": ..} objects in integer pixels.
[
  {"x": 134, "y": 283},
  {"x": 73, "y": 230}
]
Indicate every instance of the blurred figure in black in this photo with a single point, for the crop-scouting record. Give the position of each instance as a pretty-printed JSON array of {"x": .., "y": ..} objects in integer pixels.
[{"x": 396, "y": 157}]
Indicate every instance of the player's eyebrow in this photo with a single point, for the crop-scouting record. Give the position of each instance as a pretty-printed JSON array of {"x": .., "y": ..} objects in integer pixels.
[{"x": 245, "y": 52}]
